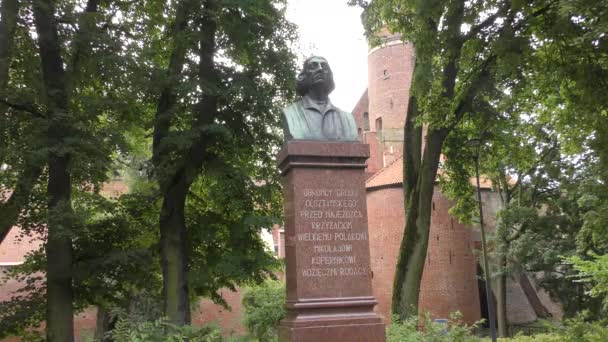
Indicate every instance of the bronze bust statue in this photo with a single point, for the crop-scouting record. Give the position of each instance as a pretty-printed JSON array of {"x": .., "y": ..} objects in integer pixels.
[{"x": 314, "y": 117}]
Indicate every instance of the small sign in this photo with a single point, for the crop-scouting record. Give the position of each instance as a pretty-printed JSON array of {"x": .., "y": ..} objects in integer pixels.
[{"x": 444, "y": 324}]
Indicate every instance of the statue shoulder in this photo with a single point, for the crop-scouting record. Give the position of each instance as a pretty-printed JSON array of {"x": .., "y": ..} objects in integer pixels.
[
  {"x": 350, "y": 125},
  {"x": 292, "y": 108}
]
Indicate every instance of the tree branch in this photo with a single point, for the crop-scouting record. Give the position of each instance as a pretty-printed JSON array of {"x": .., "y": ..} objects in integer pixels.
[
  {"x": 534, "y": 166},
  {"x": 487, "y": 22},
  {"x": 11, "y": 209},
  {"x": 168, "y": 99},
  {"x": 81, "y": 41},
  {"x": 24, "y": 108}
]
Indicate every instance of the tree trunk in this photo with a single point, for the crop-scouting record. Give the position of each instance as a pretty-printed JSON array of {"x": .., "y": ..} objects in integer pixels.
[
  {"x": 501, "y": 297},
  {"x": 9, "y": 11},
  {"x": 59, "y": 318},
  {"x": 60, "y": 312},
  {"x": 167, "y": 99},
  {"x": 412, "y": 253},
  {"x": 174, "y": 258},
  {"x": 104, "y": 323},
  {"x": 174, "y": 249}
]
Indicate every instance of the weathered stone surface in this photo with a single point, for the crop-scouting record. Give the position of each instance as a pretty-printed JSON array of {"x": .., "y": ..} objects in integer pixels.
[{"x": 329, "y": 294}]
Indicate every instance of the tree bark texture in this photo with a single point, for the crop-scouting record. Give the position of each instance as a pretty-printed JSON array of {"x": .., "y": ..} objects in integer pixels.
[
  {"x": 168, "y": 98},
  {"x": 59, "y": 317},
  {"x": 9, "y": 10},
  {"x": 174, "y": 257}
]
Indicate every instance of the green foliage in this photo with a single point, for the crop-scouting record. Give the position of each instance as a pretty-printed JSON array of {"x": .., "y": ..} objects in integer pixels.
[
  {"x": 534, "y": 338},
  {"x": 407, "y": 330},
  {"x": 161, "y": 331},
  {"x": 562, "y": 229},
  {"x": 595, "y": 272},
  {"x": 573, "y": 330},
  {"x": 577, "y": 329},
  {"x": 263, "y": 309},
  {"x": 115, "y": 71}
]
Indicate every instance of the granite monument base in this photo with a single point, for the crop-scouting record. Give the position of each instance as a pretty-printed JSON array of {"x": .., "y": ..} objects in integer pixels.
[{"x": 328, "y": 275}]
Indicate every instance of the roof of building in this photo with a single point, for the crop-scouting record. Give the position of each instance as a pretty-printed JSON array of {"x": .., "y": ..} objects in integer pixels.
[{"x": 392, "y": 175}]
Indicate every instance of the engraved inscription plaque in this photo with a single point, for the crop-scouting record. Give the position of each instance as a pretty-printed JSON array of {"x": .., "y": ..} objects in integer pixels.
[{"x": 329, "y": 295}]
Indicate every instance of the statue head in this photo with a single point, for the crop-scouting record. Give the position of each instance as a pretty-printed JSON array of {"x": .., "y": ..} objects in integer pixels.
[{"x": 315, "y": 73}]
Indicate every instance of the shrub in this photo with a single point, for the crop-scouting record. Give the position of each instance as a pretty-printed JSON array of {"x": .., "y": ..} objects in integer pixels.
[
  {"x": 534, "y": 338},
  {"x": 163, "y": 331},
  {"x": 453, "y": 331},
  {"x": 263, "y": 309},
  {"x": 577, "y": 329},
  {"x": 573, "y": 330}
]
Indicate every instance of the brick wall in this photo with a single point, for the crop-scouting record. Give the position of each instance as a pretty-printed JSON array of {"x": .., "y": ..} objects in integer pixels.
[
  {"x": 359, "y": 111},
  {"x": 385, "y": 224},
  {"x": 375, "y": 161},
  {"x": 230, "y": 320},
  {"x": 449, "y": 280},
  {"x": 17, "y": 245}
]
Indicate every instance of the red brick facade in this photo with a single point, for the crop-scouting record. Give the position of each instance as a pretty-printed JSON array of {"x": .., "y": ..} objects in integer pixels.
[
  {"x": 449, "y": 280},
  {"x": 385, "y": 224}
]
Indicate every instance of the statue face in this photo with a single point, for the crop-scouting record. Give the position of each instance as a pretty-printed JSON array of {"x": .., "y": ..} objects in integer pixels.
[
  {"x": 315, "y": 73},
  {"x": 318, "y": 71}
]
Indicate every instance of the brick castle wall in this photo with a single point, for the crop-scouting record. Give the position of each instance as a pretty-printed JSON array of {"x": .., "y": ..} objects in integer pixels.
[
  {"x": 385, "y": 224},
  {"x": 449, "y": 280}
]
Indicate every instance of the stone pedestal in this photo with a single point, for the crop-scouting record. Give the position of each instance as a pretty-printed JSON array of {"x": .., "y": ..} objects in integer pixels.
[{"x": 329, "y": 293}]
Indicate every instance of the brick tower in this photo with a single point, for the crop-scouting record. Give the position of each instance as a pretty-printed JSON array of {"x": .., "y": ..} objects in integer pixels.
[{"x": 449, "y": 281}]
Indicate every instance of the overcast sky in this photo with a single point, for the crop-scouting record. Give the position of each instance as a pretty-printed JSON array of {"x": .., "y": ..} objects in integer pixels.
[{"x": 331, "y": 29}]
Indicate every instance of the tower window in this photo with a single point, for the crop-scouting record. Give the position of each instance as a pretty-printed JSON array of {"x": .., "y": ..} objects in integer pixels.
[
  {"x": 379, "y": 125},
  {"x": 365, "y": 123},
  {"x": 385, "y": 74}
]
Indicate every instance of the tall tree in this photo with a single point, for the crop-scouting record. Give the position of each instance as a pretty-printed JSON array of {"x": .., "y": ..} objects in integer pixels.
[
  {"x": 59, "y": 318},
  {"x": 172, "y": 221},
  {"x": 458, "y": 55},
  {"x": 208, "y": 122},
  {"x": 62, "y": 126}
]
